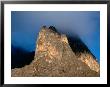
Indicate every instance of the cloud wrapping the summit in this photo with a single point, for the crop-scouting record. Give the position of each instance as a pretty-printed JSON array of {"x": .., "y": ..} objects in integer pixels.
[{"x": 26, "y": 26}]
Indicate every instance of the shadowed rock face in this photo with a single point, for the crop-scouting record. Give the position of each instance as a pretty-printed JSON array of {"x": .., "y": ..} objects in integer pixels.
[
  {"x": 20, "y": 57},
  {"x": 59, "y": 55},
  {"x": 83, "y": 53}
]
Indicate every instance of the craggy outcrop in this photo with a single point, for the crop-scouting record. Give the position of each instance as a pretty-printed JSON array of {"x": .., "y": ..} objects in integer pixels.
[{"x": 55, "y": 57}]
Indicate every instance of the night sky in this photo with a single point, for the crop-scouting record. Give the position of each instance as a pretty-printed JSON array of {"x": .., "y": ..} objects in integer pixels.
[{"x": 25, "y": 26}]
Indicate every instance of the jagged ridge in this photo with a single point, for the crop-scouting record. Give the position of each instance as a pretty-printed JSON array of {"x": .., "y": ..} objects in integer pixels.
[{"x": 54, "y": 57}]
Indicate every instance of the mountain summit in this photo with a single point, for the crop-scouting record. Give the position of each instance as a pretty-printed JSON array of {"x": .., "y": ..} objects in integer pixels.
[{"x": 57, "y": 55}]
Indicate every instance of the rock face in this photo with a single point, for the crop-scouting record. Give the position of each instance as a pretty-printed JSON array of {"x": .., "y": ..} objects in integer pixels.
[{"x": 56, "y": 56}]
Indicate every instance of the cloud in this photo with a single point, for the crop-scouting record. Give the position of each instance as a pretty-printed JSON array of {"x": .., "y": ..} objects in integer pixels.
[
  {"x": 26, "y": 25},
  {"x": 25, "y": 40}
]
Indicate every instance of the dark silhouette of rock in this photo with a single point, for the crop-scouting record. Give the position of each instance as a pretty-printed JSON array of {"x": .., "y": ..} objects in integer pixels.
[
  {"x": 59, "y": 55},
  {"x": 20, "y": 57},
  {"x": 53, "y": 28}
]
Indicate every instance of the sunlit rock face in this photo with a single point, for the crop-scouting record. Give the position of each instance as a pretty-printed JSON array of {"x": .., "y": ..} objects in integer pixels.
[
  {"x": 54, "y": 56},
  {"x": 50, "y": 44},
  {"x": 90, "y": 61}
]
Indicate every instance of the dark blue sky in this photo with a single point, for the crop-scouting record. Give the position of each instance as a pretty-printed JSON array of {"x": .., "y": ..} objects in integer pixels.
[{"x": 25, "y": 26}]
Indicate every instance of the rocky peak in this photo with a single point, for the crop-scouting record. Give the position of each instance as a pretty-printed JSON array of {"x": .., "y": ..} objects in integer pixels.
[
  {"x": 53, "y": 43},
  {"x": 58, "y": 55},
  {"x": 50, "y": 43}
]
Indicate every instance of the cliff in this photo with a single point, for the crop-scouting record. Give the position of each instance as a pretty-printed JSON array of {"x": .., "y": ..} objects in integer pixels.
[{"x": 57, "y": 55}]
